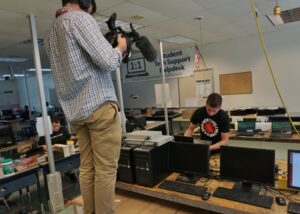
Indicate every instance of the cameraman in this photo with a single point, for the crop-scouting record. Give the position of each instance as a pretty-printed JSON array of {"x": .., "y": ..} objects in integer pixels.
[{"x": 81, "y": 61}]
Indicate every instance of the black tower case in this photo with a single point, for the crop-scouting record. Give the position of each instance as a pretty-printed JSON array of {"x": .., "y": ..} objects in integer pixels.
[
  {"x": 151, "y": 164},
  {"x": 126, "y": 165}
]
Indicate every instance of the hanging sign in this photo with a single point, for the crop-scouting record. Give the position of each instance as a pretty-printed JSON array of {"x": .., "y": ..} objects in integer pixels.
[{"x": 177, "y": 63}]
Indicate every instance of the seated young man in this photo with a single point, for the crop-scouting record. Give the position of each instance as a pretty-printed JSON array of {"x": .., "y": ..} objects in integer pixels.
[
  {"x": 213, "y": 121},
  {"x": 60, "y": 135}
]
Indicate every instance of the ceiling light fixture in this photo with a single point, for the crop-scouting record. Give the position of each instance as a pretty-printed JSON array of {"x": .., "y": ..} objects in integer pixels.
[
  {"x": 43, "y": 69},
  {"x": 198, "y": 18},
  {"x": 275, "y": 18},
  {"x": 277, "y": 9},
  {"x": 13, "y": 59}
]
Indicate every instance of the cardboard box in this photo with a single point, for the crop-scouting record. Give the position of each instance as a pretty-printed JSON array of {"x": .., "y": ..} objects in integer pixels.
[
  {"x": 78, "y": 205},
  {"x": 65, "y": 149},
  {"x": 187, "y": 113}
]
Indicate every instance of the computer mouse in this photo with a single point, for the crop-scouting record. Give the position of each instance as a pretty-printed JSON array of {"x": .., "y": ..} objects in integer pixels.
[
  {"x": 206, "y": 196},
  {"x": 280, "y": 201}
]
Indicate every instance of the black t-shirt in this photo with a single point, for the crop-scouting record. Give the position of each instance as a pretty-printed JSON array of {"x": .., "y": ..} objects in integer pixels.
[
  {"x": 211, "y": 126},
  {"x": 59, "y": 137}
]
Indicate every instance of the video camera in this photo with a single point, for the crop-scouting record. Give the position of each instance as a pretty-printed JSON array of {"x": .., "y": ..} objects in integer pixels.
[{"x": 141, "y": 42}]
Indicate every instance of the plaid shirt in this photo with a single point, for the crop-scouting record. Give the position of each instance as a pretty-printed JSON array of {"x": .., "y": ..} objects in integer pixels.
[{"x": 81, "y": 60}]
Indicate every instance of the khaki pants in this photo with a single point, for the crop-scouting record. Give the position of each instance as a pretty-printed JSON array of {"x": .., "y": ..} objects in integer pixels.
[{"x": 100, "y": 141}]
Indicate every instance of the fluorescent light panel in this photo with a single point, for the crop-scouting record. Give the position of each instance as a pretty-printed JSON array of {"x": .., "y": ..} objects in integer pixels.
[
  {"x": 15, "y": 75},
  {"x": 43, "y": 69},
  {"x": 275, "y": 19},
  {"x": 13, "y": 59}
]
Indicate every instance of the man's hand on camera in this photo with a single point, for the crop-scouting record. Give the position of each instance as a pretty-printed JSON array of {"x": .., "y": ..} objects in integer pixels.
[{"x": 122, "y": 44}]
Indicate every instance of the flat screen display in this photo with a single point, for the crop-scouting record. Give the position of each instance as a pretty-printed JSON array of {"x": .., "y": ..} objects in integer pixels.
[{"x": 247, "y": 165}]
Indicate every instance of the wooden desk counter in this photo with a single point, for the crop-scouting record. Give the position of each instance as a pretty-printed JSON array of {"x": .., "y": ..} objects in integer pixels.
[
  {"x": 265, "y": 136},
  {"x": 12, "y": 121},
  {"x": 153, "y": 124},
  {"x": 213, "y": 204},
  {"x": 19, "y": 145}
]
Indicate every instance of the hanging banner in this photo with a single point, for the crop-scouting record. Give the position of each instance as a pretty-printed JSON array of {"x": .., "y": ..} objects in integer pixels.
[{"x": 177, "y": 63}]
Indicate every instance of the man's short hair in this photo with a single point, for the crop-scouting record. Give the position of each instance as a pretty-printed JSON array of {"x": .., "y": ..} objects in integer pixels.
[
  {"x": 214, "y": 100},
  {"x": 64, "y": 2},
  {"x": 55, "y": 120}
]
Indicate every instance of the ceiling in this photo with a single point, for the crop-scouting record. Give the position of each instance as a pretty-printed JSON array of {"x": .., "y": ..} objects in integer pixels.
[{"x": 222, "y": 20}]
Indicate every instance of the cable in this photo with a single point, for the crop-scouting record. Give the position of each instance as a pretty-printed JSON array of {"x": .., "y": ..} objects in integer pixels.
[
  {"x": 254, "y": 10},
  {"x": 280, "y": 192},
  {"x": 179, "y": 209},
  {"x": 201, "y": 45}
]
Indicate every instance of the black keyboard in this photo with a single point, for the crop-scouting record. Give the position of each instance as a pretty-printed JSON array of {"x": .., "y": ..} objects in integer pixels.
[
  {"x": 294, "y": 208},
  {"x": 245, "y": 134},
  {"x": 182, "y": 187},
  {"x": 244, "y": 197}
]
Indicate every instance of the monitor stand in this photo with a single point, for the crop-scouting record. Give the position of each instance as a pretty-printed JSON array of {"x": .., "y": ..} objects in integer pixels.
[
  {"x": 247, "y": 187},
  {"x": 187, "y": 178}
]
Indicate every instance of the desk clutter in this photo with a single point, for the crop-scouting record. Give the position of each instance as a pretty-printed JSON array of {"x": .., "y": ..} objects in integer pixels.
[
  {"x": 33, "y": 157},
  {"x": 250, "y": 173}
]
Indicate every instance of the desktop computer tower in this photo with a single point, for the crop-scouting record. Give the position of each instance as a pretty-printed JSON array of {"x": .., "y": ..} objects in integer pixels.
[
  {"x": 125, "y": 165},
  {"x": 151, "y": 164}
]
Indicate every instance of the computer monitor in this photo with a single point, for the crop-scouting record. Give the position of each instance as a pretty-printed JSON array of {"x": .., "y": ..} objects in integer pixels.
[
  {"x": 183, "y": 139},
  {"x": 6, "y": 135},
  {"x": 244, "y": 126},
  {"x": 5, "y": 130},
  {"x": 189, "y": 158},
  {"x": 28, "y": 131},
  {"x": 248, "y": 165},
  {"x": 281, "y": 126},
  {"x": 293, "y": 169},
  {"x": 57, "y": 139}
]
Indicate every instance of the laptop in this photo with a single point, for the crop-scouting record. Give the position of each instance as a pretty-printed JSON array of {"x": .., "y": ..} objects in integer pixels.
[
  {"x": 281, "y": 129},
  {"x": 183, "y": 139},
  {"x": 246, "y": 129}
]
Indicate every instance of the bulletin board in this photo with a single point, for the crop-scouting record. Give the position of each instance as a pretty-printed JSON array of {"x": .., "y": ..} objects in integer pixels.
[
  {"x": 236, "y": 83},
  {"x": 189, "y": 95}
]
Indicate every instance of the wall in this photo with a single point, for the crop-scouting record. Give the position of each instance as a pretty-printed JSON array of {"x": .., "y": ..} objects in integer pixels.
[
  {"x": 9, "y": 95},
  {"x": 146, "y": 93},
  {"x": 245, "y": 54}
]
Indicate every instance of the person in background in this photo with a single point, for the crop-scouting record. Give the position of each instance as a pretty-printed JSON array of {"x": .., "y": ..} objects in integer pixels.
[
  {"x": 214, "y": 123},
  {"x": 25, "y": 114},
  {"x": 59, "y": 131},
  {"x": 60, "y": 134},
  {"x": 81, "y": 61}
]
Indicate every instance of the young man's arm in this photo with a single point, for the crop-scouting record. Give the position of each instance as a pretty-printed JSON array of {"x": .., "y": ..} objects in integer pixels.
[
  {"x": 223, "y": 141},
  {"x": 190, "y": 130}
]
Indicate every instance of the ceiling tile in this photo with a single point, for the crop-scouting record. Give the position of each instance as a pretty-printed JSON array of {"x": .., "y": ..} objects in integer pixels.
[
  {"x": 40, "y": 8},
  {"x": 233, "y": 11},
  {"x": 171, "y": 8},
  {"x": 126, "y": 10},
  {"x": 107, "y": 4},
  {"x": 209, "y": 4}
]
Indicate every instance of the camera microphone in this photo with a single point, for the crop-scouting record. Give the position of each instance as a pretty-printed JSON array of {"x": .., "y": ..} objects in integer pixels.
[
  {"x": 141, "y": 42},
  {"x": 146, "y": 48}
]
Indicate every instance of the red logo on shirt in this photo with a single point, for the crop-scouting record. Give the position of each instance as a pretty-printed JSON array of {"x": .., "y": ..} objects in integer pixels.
[{"x": 209, "y": 127}]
